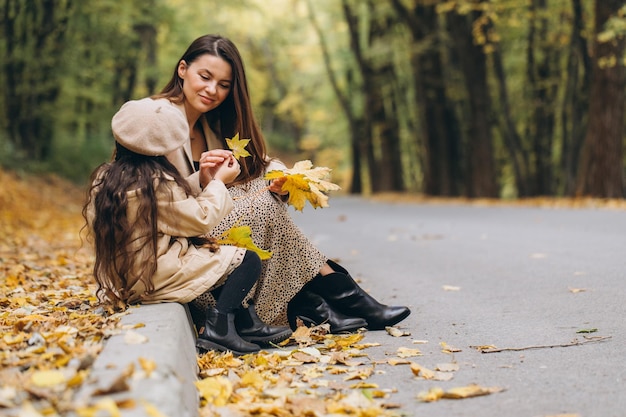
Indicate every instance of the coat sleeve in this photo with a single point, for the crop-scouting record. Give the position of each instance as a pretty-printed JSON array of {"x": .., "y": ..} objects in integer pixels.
[{"x": 187, "y": 216}]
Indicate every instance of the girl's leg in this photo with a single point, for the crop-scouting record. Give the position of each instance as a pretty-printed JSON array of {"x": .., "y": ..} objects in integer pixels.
[
  {"x": 219, "y": 332},
  {"x": 239, "y": 283}
]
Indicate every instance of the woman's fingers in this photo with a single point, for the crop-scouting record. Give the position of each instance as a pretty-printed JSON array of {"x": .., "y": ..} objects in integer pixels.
[{"x": 215, "y": 156}]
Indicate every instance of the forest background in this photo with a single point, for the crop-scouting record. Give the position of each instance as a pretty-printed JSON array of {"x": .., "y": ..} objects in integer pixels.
[{"x": 473, "y": 98}]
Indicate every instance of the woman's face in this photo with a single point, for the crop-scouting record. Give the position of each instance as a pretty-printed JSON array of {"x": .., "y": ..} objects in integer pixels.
[{"x": 206, "y": 82}]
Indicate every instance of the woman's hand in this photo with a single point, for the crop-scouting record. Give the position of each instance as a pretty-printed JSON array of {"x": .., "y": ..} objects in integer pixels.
[
  {"x": 228, "y": 170},
  {"x": 276, "y": 186},
  {"x": 210, "y": 162}
]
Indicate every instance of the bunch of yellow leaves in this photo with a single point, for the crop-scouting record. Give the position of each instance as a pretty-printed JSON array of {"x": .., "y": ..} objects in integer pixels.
[{"x": 305, "y": 183}]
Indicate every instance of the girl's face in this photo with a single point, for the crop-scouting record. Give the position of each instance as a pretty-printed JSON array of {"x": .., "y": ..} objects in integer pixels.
[{"x": 206, "y": 83}]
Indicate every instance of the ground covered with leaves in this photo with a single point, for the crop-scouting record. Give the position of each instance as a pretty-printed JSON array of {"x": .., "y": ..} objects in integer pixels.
[{"x": 52, "y": 329}]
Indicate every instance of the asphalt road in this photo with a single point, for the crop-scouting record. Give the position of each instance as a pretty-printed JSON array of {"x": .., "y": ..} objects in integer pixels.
[{"x": 511, "y": 277}]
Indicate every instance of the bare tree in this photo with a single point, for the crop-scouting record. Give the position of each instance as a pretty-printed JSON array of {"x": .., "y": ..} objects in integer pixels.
[
  {"x": 480, "y": 175},
  {"x": 602, "y": 166}
]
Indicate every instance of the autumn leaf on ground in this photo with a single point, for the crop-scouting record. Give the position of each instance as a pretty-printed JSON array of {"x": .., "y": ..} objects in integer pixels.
[
  {"x": 451, "y": 288},
  {"x": 134, "y": 338},
  {"x": 446, "y": 348},
  {"x": 472, "y": 390},
  {"x": 47, "y": 378},
  {"x": 469, "y": 391},
  {"x": 483, "y": 347},
  {"x": 447, "y": 367},
  {"x": 395, "y": 332},
  {"x": 425, "y": 373},
  {"x": 587, "y": 331},
  {"x": 395, "y": 361},
  {"x": 404, "y": 352},
  {"x": 360, "y": 374},
  {"x": 241, "y": 236},
  {"x": 238, "y": 146},
  {"x": 305, "y": 183},
  {"x": 215, "y": 390}
]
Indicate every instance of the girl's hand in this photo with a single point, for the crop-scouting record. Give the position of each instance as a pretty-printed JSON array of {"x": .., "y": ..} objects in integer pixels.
[
  {"x": 228, "y": 170},
  {"x": 210, "y": 162},
  {"x": 276, "y": 186}
]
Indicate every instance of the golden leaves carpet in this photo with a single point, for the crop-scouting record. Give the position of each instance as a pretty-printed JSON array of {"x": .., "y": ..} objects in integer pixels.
[{"x": 52, "y": 328}]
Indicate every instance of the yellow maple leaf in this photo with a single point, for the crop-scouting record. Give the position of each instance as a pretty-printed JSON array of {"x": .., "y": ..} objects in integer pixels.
[
  {"x": 241, "y": 236},
  {"x": 298, "y": 189},
  {"x": 215, "y": 390},
  {"x": 238, "y": 146},
  {"x": 305, "y": 183}
]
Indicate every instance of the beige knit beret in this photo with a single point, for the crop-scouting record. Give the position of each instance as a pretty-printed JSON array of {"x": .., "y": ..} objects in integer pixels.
[{"x": 150, "y": 127}]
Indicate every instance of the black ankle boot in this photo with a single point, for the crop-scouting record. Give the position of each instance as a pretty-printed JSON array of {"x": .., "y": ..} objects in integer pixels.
[
  {"x": 345, "y": 296},
  {"x": 312, "y": 309},
  {"x": 252, "y": 329},
  {"x": 219, "y": 333}
]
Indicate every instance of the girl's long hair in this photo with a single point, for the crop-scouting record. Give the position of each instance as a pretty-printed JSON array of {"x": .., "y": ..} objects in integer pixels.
[
  {"x": 235, "y": 114},
  {"x": 126, "y": 246}
]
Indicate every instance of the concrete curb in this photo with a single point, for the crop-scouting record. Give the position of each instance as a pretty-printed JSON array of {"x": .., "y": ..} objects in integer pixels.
[{"x": 165, "y": 337}]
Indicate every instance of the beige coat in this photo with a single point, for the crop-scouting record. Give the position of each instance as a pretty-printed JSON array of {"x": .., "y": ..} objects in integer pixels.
[
  {"x": 184, "y": 271},
  {"x": 182, "y": 158}
]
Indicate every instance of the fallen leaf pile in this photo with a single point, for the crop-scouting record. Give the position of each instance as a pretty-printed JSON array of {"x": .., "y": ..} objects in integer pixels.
[
  {"x": 314, "y": 373},
  {"x": 51, "y": 328}
]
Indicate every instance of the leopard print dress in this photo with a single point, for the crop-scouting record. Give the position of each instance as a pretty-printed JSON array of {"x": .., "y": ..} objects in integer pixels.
[{"x": 294, "y": 262}]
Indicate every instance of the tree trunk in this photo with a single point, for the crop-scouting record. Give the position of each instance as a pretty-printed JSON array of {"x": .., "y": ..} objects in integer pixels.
[
  {"x": 147, "y": 33},
  {"x": 33, "y": 31},
  {"x": 354, "y": 123},
  {"x": 542, "y": 60},
  {"x": 364, "y": 145},
  {"x": 382, "y": 133},
  {"x": 442, "y": 174},
  {"x": 576, "y": 101},
  {"x": 512, "y": 140},
  {"x": 602, "y": 165},
  {"x": 480, "y": 172},
  {"x": 382, "y": 109}
]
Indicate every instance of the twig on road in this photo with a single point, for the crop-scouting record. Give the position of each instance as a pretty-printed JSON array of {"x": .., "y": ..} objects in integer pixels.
[{"x": 575, "y": 342}]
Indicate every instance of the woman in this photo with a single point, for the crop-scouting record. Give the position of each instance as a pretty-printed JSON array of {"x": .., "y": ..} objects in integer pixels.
[
  {"x": 298, "y": 281},
  {"x": 148, "y": 229}
]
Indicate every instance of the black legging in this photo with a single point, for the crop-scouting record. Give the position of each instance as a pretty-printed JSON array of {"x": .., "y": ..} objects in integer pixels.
[{"x": 238, "y": 284}]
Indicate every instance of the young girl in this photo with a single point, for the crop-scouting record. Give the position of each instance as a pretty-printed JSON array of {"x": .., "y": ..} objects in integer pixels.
[
  {"x": 209, "y": 85},
  {"x": 147, "y": 228}
]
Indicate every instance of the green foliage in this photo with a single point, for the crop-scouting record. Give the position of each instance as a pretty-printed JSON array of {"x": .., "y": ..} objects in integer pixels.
[
  {"x": 615, "y": 27},
  {"x": 96, "y": 54}
]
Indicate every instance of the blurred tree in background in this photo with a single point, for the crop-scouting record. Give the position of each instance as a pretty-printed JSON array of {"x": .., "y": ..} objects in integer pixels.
[{"x": 476, "y": 98}]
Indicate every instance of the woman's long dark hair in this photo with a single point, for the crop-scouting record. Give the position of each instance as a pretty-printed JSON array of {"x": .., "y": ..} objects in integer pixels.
[
  {"x": 235, "y": 114},
  {"x": 122, "y": 242}
]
